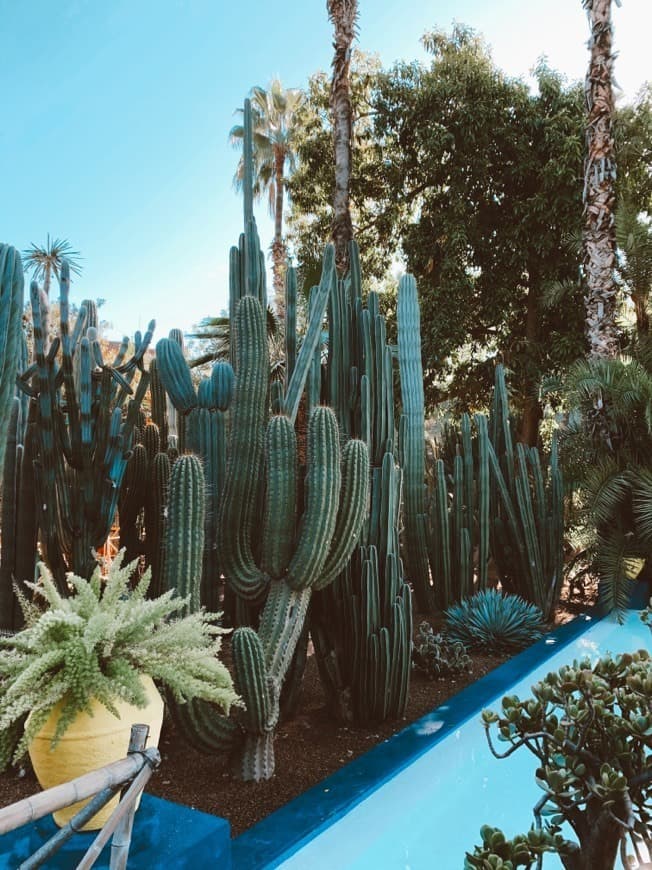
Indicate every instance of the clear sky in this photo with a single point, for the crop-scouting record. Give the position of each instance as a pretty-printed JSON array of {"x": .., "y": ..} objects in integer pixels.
[{"x": 115, "y": 119}]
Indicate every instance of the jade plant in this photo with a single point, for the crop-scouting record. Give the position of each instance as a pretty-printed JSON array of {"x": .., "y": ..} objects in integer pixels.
[
  {"x": 589, "y": 726},
  {"x": 96, "y": 644}
]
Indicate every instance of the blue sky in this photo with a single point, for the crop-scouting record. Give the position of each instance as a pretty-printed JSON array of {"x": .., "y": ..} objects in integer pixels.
[{"x": 116, "y": 116}]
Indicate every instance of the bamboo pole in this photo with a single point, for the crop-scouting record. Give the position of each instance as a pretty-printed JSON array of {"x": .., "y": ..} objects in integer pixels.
[
  {"x": 35, "y": 807},
  {"x": 119, "y": 813},
  {"x": 48, "y": 849},
  {"x": 122, "y": 836}
]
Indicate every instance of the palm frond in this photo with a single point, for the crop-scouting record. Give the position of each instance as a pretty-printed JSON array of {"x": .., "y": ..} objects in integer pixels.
[
  {"x": 618, "y": 565},
  {"x": 642, "y": 504},
  {"x": 606, "y": 488}
]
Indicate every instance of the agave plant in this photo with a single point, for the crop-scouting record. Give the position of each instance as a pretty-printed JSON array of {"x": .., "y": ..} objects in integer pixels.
[
  {"x": 493, "y": 621},
  {"x": 97, "y": 644}
]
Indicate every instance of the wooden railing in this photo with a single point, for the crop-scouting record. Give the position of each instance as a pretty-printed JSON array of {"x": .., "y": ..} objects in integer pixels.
[{"x": 101, "y": 785}]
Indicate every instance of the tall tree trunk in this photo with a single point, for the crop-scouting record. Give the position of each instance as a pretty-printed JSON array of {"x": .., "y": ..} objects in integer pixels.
[
  {"x": 278, "y": 246},
  {"x": 343, "y": 14},
  {"x": 599, "y": 187}
]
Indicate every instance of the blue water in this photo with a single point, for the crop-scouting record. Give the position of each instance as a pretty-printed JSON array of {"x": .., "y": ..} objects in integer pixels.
[{"x": 431, "y": 812}]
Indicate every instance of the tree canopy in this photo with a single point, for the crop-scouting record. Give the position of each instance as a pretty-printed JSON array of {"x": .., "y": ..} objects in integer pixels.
[{"x": 482, "y": 181}]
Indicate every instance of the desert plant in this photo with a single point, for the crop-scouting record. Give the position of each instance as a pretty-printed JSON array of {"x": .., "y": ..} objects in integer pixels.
[
  {"x": 97, "y": 643},
  {"x": 589, "y": 726},
  {"x": 494, "y": 620},
  {"x": 499, "y": 853},
  {"x": 436, "y": 655}
]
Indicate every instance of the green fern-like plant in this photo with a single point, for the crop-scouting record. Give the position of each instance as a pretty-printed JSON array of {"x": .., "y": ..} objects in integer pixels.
[
  {"x": 96, "y": 644},
  {"x": 493, "y": 621}
]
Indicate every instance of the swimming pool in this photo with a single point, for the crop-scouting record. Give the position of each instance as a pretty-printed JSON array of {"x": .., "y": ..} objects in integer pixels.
[{"x": 425, "y": 813}]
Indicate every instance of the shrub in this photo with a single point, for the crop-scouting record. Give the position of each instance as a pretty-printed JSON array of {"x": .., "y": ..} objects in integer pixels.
[
  {"x": 491, "y": 620},
  {"x": 436, "y": 656}
]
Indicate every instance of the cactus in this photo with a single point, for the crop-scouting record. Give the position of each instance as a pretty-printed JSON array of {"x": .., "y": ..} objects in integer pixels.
[
  {"x": 80, "y": 456},
  {"x": 505, "y": 500},
  {"x": 272, "y": 566},
  {"x": 412, "y": 441},
  {"x": 362, "y": 624},
  {"x": 456, "y": 524},
  {"x": 9, "y": 617},
  {"x": 11, "y": 311},
  {"x": 184, "y": 533},
  {"x": 202, "y": 427}
]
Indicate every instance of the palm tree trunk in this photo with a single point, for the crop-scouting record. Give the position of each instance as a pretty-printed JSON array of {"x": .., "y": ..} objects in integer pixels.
[
  {"x": 599, "y": 187},
  {"x": 278, "y": 246},
  {"x": 343, "y": 14}
]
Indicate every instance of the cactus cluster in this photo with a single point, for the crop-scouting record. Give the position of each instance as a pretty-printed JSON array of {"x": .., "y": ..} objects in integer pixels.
[
  {"x": 502, "y": 500},
  {"x": 84, "y": 412},
  {"x": 362, "y": 625},
  {"x": 278, "y": 538}
]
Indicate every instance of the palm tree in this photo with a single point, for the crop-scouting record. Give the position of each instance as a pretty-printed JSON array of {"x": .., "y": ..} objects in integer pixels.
[
  {"x": 274, "y": 114},
  {"x": 43, "y": 262},
  {"x": 343, "y": 15},
  {"x": 599, "y": 187}
]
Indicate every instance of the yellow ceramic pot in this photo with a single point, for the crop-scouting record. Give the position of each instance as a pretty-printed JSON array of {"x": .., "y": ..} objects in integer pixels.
[{"x": 90, "y": 742}]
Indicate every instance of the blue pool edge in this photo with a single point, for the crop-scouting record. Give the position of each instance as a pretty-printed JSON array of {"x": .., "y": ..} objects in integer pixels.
[{"x": 285, "y": 831}]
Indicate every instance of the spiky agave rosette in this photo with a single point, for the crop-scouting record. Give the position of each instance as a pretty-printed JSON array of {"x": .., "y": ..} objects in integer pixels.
[{"x": 97, "y": 644}]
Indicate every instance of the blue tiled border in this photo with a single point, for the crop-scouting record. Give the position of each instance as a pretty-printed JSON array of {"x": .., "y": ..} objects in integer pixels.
[{"x": 282, "y": 833}]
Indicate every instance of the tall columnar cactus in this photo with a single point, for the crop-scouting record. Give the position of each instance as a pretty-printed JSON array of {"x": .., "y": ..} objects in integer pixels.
[
  {"x": 459, "y": 519},
  {"x": 202, "y": 427},
  {"x": 184, "y": 533},
  {"x": 83, "y": 433},
  {"x": 291, "y": 565},
  {"x": 8, "y": 520},
  {"x": 412, "y": 440},
  {"x": 11, "y": 311},
  {"x": 527, "y": 509},
  {"x": 361, "y": 626}
]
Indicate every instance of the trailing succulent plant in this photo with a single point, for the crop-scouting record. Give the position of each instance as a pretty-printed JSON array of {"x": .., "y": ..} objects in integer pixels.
[
  {"x": 589, "y": 727},
  {"x": 436, "y": 655},
  {"x": 97, "y": 643},
  {"x": 493, "y": 620}
]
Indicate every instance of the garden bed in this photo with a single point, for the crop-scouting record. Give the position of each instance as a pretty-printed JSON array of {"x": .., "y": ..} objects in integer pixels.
[{"x": 308, "y": 748}]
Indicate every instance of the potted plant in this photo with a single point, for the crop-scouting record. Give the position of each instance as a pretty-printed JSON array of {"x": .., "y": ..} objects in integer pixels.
[{"x": 83, "y": 670}]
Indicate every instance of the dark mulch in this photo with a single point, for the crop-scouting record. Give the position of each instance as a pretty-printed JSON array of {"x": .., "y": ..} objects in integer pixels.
[{"x": 308, "y": 748}]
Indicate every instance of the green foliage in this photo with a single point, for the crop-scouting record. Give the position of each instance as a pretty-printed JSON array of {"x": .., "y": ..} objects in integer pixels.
[
  {"x": 97, "y": 643},
  {"x": 524, "y": 850},
  {"x": 436, "y": 655},
  {"x": 494, "y": 621},
  {"x": 606, "y": 444},
  {"x": 481, "y": 180},
  {"x": 589, "y": 727}
]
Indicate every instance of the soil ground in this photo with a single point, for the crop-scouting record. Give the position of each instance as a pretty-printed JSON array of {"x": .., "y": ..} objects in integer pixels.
[{"x": 308, "y": 748}]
